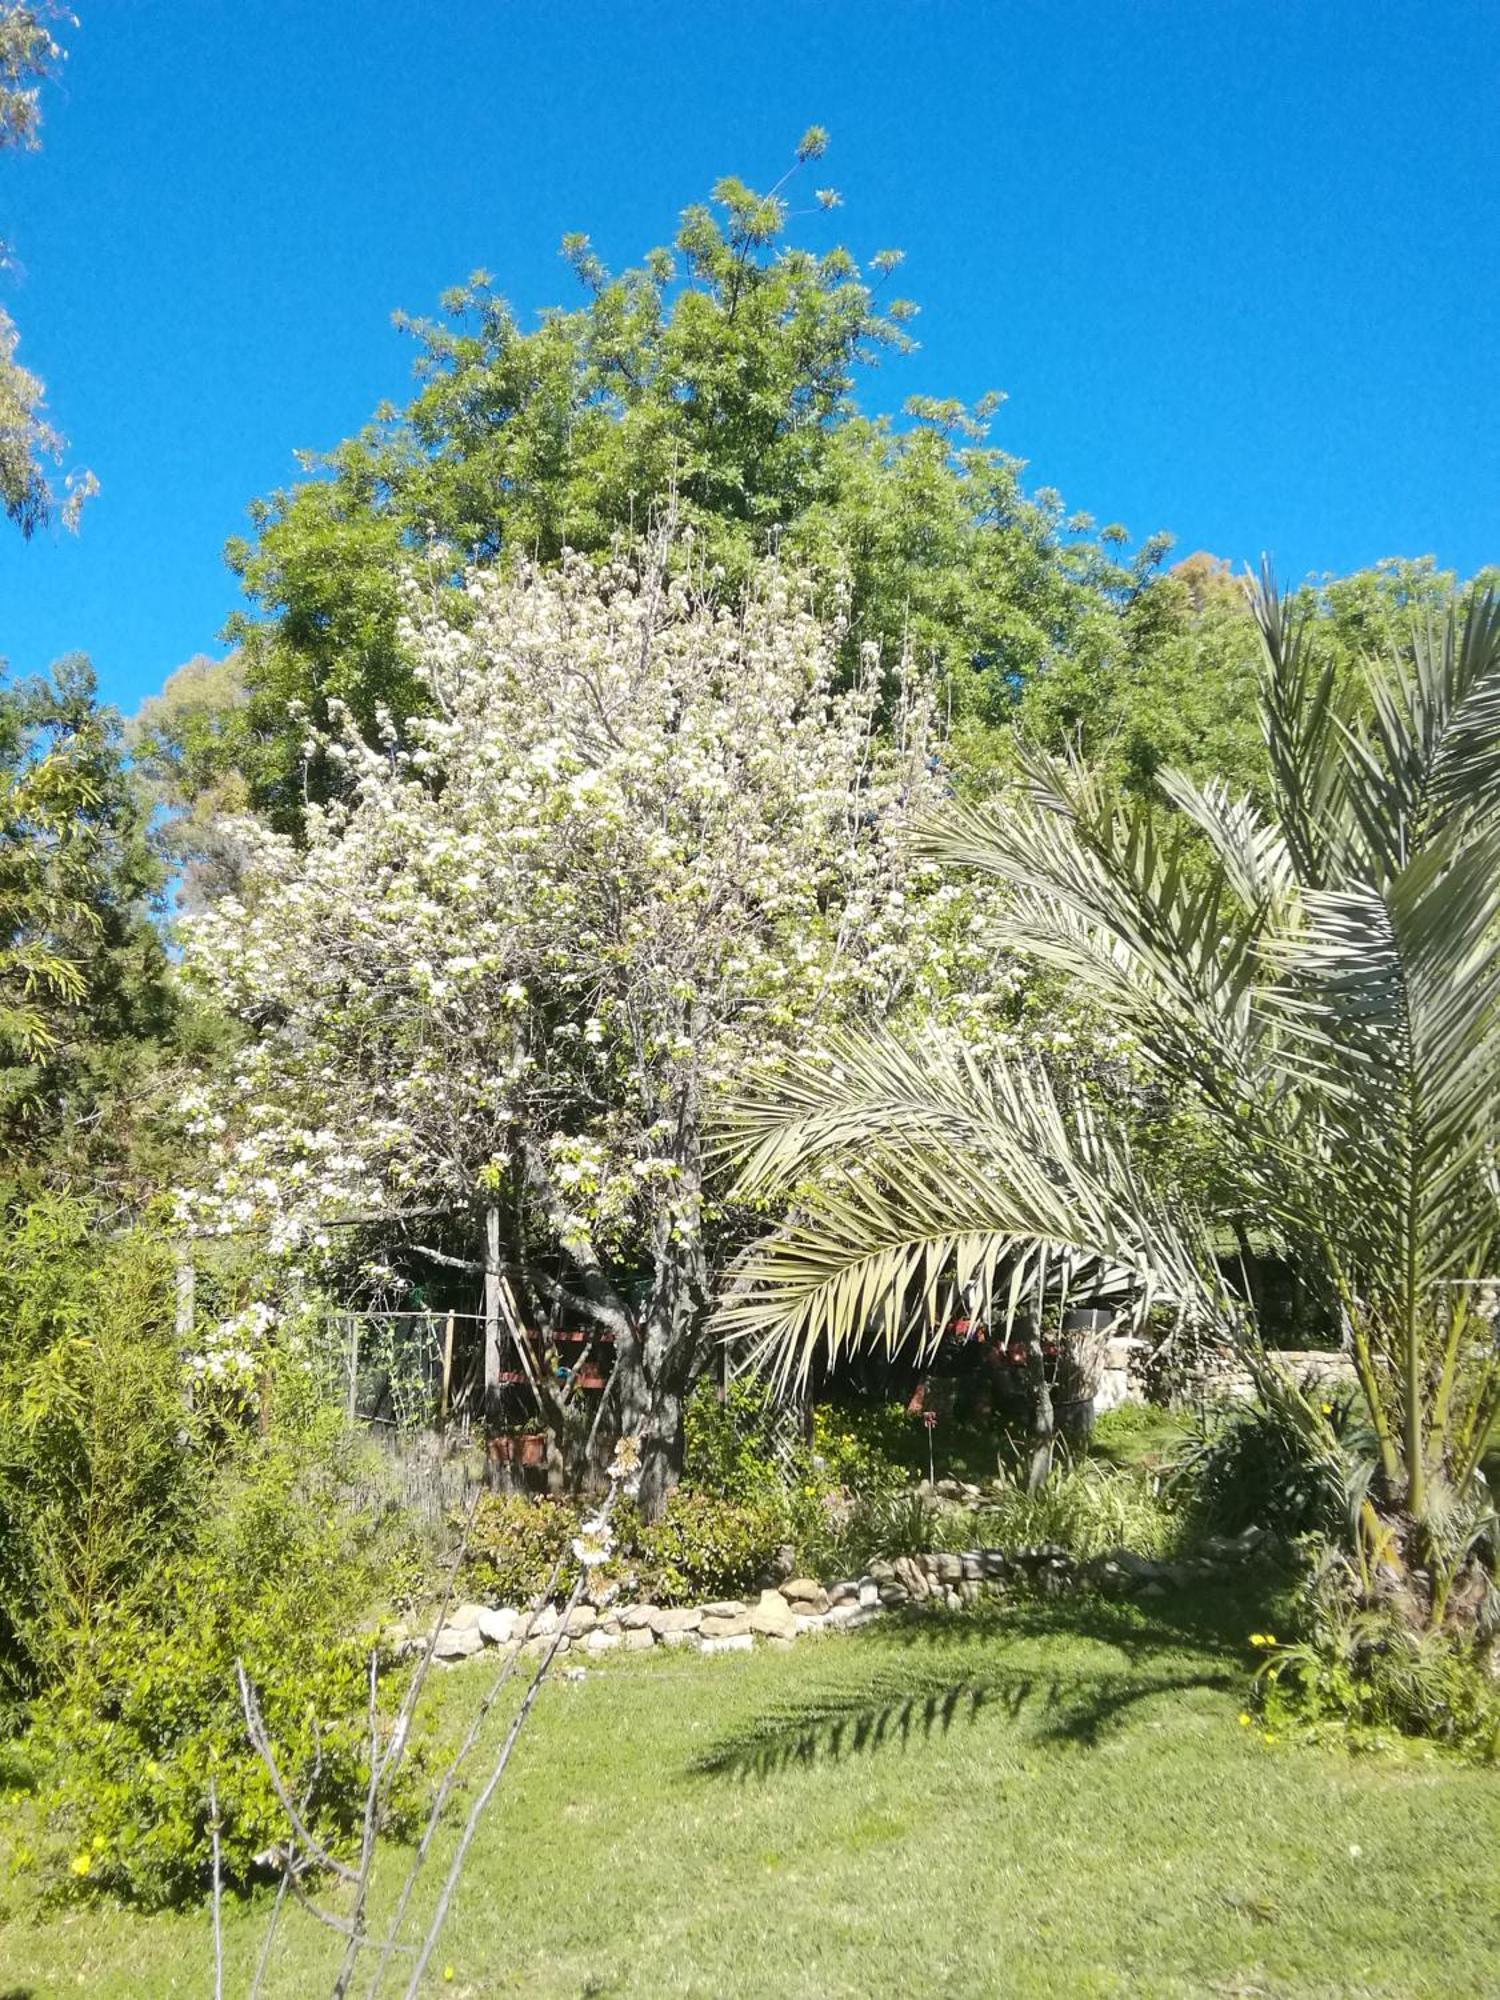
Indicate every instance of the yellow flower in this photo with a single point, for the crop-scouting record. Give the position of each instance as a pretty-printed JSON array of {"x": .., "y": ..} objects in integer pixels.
[
  {"x": 1328, "y": 1409},
  {"x": 1244, "y": 1720},
  {"x": 1267, "y": 1737},
  {"x": 447, "y": 1972},
  {"x": 81, "y": 1863}
]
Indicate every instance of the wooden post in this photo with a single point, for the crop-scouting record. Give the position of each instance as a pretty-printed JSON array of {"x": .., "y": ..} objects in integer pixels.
[
  {"x": 491, "y": 1314},
  {"x": 445, "y": 1390},
  {"x": 353, "y": 1365}
]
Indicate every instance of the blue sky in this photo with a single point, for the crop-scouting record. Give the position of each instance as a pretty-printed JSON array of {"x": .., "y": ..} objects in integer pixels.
[{"x": 1234, "y": 265}]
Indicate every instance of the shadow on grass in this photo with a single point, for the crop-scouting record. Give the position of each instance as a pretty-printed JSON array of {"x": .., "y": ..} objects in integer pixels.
[{"x": 1193, "y": 1642}]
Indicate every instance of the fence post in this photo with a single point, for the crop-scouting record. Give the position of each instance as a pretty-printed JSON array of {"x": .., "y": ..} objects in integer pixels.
[
  {"x": 491, "y": 1315},
  {"x": 445, "y": 1389},
  {"x": 183, "y": 1323}
]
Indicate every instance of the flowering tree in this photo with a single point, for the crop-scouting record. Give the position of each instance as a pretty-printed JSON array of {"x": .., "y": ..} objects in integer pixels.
[{"x": 641, "y": 842}]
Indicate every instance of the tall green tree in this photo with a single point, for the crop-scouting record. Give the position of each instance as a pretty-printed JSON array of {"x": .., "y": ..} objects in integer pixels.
[
  {"x": 1325, "y": 992},
  {"x": 85, "y": 1000},
  {"x": 718, "y": 378}
]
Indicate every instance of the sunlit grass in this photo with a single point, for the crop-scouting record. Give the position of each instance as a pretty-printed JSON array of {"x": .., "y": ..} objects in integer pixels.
[{"x": 1034, "y": 1801}]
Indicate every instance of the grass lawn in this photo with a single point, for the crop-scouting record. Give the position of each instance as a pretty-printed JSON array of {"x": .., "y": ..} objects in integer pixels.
[{"x": 1030, "y": 1801}]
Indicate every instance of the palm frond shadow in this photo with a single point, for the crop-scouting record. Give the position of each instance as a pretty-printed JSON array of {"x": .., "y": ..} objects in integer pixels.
[{"x": 899, "y": 1709}]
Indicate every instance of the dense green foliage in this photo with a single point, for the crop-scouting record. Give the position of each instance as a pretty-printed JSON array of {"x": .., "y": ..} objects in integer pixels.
[{"x": 86, "y": 1007}]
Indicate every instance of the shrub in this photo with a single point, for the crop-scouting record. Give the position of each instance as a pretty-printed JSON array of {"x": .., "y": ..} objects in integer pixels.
[
  {"x": 867, "y": 1447},
  {"x": 124, "y": 1747},
  {"x": 728, "y": 1444},
  {"x": 704, "y": 1548},
  {"x": 514, "y": 1544},
  {"x": 1088, "y": 1509},
  {"x": 97, "y": 1472},
  {"x": 1266, "y": 1464},
  {"x": 1366, "y": 1668}
]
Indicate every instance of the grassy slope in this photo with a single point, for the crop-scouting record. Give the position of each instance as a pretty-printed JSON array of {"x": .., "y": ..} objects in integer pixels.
[{"x": 1032, "y": 1803}]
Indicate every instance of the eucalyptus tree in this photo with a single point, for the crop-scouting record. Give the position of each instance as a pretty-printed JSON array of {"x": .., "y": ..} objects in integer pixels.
[{"x": 1320, "y": 981}]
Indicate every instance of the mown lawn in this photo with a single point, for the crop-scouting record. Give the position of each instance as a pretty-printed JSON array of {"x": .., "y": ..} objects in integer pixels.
[{"x": 1029, "y": 1802}]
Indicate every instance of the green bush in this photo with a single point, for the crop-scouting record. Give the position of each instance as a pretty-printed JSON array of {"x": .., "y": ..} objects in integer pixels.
[
  {"x": 98, "y": 1472},
  {"x": 514, "y": 1544},
  {"x": 867, "y": 1448},
  {"x": 124, "y": 1747},
  {"x": 1365, "y": 1668},
  {"x": 1267, "y": 1464},
  {"x": 704, "y": 1548},
  {"x": 1088, "y": 1509},
  {"x": 728, "y": 1444}
]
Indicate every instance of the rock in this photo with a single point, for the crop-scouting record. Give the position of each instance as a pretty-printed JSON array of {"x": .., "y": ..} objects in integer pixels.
[
  {"x": 803, "y": 1624},
  {"x": 464, "y": 1617},
  {"x": 729, "y": 1608},
  {"x": 882, "y": 1571},
  {"x": 457, "y": 1642},
  {"x": 497, "y": 1624},
  {"x": 680, "y": 1636},
  {"x": 634, "y": 1616},
  {"x": 869, "y": 1596},
  {"x": 949, "y": 1567},
  {"x": 1151, "y": 1588},
  {"x": 772, "y": 1616},
  {"x": 804, "y": 1590},
  {"x": 716, "y": 1627},
  {"x": 969, "y": 1591},
  {"x": 996, "y": 1563},
  {"x": 729, "y": 1642},
  {"x": 949, "y": 1489},
  {"x": 909, "y": 1573},
  {"x": 639, "y": 1639},
  {"x": 843, "y": 1593},
  {"x": 667, "y": 1623},
  {"x": 893, "y": 1597},
  {"x": 971, "y": 1565},
  {"x": 602, "y": 1642},
  {"x": 581, "y": 1620},
  {"x": 542, "y": 1622}
]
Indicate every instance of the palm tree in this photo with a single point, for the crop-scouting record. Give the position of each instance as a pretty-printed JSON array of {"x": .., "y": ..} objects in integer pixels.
[{"x": 1321, "y": 981}]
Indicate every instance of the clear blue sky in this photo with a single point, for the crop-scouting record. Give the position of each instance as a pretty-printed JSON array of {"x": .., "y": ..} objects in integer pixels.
[{"x": 1235, "y": 265}]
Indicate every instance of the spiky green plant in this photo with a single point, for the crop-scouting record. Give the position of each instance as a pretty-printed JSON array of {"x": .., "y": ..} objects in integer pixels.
[{"x": 1321, "y": 981}]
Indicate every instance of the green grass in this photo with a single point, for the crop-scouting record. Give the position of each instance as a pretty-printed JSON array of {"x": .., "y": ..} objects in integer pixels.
[{"x": 1030, "y": 1801}]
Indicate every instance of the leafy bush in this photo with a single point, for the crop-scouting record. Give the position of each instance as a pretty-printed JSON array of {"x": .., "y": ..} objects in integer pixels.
[
  {"x": 1367, "y": 1668},
  {"x": 98, "y": 1475},
  {"x": 867, "y": 1447},
  {"x": 702, "y": 1548},
  {"x": 728, "y": 1444},
  {"x": 123, "y": 1748},
  {"x": 514, "y": 1545},
  {"x": 1088, "y": 1509},
  {"x": 1266, "y": 1464}
]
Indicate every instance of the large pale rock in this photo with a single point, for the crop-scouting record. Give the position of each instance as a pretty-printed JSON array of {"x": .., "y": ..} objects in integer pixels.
[
  {"x": 497, "y": 1624},
  {"x": 581, "y": 1621},
  {"x": 463, "y": 1617},
  {"x": 678, "y": 1620},
  {"x": 773, "y": 1617},
  {"x": 729, "y": 1642},
  {"x": 869, "y": 1595},
  {"x": 638, "y": 1638},
  {"x": 729, "y": 1607},
  {"x": 457, "y": 1642},
  {"x": 542, "y": 1623},
  {"x": 737, "y": 1627},
  {"x": 636, "y": 1615},
  {"x": 679, "y": 1636},
  {"x": 802, "y": 1590},
  {"x": 908, "y": 1573},
  {"x": 602, "y": 1642}
]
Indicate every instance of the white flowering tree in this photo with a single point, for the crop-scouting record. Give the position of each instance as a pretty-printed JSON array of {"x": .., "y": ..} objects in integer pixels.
[{"x": 642, "y": 844}]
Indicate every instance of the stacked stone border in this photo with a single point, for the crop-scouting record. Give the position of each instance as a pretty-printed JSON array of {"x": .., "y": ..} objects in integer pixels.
[{"x": 803, "y": 1607}]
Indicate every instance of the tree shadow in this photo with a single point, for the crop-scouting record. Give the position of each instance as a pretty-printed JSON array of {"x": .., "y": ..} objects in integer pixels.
[{"x": 892, "y": 1707}]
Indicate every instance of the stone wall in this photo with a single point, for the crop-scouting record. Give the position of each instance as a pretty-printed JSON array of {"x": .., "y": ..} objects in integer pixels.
[{"x": 804, "y": 1607}]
